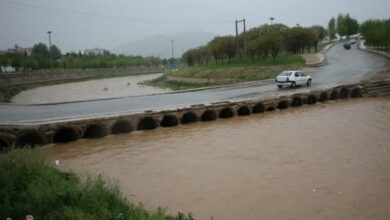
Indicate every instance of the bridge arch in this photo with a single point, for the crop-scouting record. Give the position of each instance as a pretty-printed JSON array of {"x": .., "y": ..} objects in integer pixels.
[
  {"x": 283, "y": 104},
  {"x": 208, "y": 115},
  {"x": 169, "y": 121},
  {"x": 64, "y": 135},
  {"x": 344, "y": 93},
  {"x": 95, "y": 131},
  {"x": 147, "y": 123},
  {"x": 323, "y": 97},
  {"x": 189, "y": 117},
  {"x": 258, "y": 108},
  {"x": 356, "y": 93},
  {"x": 243, "y": 111},
  {"x": 271, "y": 108},
  {"x": 334, "y": 95},
  {"x": 29, "y": 138},
  {"x": 4, "y": 144},
  {"x": 311, "y": 99},
  {"x": 297, "y": 101},
  {"x": 226, "y": 113},
  {"x": 121, "y": 127}
]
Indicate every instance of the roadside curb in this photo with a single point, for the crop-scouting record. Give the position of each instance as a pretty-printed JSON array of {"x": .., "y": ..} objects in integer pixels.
[
  {"x": 362, "y": 47},
  {"x": 322, "y": 55}
]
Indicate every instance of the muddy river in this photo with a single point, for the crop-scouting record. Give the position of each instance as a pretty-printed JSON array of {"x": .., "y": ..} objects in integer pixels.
[
  {"x": 328, "y": 161},
  {"x": 89, "y": 90}
]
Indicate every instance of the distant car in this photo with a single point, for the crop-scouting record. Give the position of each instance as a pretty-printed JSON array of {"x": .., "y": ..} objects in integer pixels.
[
  {"x": 347, "y": 46},
  {"x": 292, "y": 79},
  {"x": 353, "y": 41}
]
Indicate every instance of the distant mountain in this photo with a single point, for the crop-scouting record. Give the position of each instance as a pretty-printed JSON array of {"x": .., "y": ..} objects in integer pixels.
[{"x": 161, "y": 46}]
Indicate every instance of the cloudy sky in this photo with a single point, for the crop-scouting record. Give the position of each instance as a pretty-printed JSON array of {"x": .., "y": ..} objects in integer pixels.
[{"x": 80, "y": 24}]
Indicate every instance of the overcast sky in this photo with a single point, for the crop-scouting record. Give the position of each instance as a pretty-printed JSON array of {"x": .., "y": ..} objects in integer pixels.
[{"x": 80, "y": 24}]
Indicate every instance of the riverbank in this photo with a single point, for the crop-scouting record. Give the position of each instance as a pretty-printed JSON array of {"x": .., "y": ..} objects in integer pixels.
[
  {"x": 12, "y": 84},
  {"x": 89, "y": 90},
  {"x": 32, "y": 185}
]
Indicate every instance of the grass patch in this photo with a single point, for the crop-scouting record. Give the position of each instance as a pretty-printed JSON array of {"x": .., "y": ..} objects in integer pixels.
[
  {"x": 30, "y": 185},
  {"x": 222, "y": 74}
]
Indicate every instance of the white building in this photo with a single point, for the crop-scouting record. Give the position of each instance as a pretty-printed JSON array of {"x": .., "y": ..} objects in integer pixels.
[{"x": 95, "y": 51}]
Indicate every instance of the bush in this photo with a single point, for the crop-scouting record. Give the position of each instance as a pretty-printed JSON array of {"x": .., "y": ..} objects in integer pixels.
[{"x": 30, "y": 185}]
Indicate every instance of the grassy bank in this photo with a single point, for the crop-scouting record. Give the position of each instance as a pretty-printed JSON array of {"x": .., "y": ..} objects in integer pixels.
[
  {"x": 31, "y": 185},
  {"x": 223, "y": 73}
]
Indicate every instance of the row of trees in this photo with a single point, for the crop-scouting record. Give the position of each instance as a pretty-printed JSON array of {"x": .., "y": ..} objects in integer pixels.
[
  {"x": 258, "y": 43},
  {"x": 270, "y": 40},
  {"x": 40, "y": 59},
  {"x": 343, "y": 26},
  {"x": 376, "y": 32}
]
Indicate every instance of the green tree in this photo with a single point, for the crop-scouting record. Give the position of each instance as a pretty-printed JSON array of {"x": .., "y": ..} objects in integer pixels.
[
  {"x": 40, "y": 49},
  {"x": 347, "y": 26},
  {"x": 332, "y": 29},
  {"x": 55, "y": 52},
  {"x": 318, "y": 34}
]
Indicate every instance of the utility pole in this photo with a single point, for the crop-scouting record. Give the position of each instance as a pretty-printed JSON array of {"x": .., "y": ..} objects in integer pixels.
[
  {"x": 51, "y": 56},
  {"x": 172, "y": 48},
  {"x": 237, "y": 43}
]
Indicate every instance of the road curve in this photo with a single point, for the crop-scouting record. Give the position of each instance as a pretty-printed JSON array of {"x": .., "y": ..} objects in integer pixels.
[{"x": 345, "y": 66}]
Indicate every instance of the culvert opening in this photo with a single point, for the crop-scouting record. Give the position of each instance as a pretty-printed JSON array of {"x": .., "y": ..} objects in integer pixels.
[
  {"x": 147, "y": 123},
  {"x": 283, "y": 104},
  {"x": 258, "y": 108},
  {"x": 189, "y": 117},
  {"x": 95, "y": 131},
  {"x": 29, "y": 139},
  {"x": 243, "y": 111},
  {"x": 344, "y": 93},
  {"x": 121, "y": 127},
  {"x": 226, "y": 113},
  {"x": 270, "y": 108},
  {"x": 208, "y": 115},
  {"x": 64, "y": 135},
  {"x": 3, "y": 145},
  {"x": 169, "y": 121},
  {"x": 312, "y": 99},
  {"x": 356, "y": 93},
  {"x": 297, "y": 101},
  {"x": 323, "y": 97},
  {"x": 334, "y": 95}
]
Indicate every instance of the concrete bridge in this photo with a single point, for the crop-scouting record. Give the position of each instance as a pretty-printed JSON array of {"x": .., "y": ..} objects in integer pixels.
[{"x": 62, "y": 131}]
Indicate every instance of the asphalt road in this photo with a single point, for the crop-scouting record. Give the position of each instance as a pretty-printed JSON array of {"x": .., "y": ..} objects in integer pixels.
[{"x": 345, "y": 66}]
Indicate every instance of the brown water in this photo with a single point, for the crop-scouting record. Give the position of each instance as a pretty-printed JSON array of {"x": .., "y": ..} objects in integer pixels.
[
  {"x": 328, "y": 161},
  {"x": 88, "y": 90}
]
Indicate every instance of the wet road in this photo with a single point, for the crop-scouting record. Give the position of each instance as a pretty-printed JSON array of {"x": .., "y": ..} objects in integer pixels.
[{"x": 345, "y": 66}]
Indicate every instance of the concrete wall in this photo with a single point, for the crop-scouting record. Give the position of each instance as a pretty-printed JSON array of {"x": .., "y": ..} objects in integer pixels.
[{"x": 62, "y": 132}]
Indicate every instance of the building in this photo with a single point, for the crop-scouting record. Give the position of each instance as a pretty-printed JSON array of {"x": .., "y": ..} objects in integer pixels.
[
  {"x": 20, "y": 50},
  {"x": 95, "y": 51}
]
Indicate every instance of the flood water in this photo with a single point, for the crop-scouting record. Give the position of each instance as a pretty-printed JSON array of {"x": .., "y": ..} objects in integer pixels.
[
  {"x": 89, "y": 90},
  {"x": 327, "y": 161}
]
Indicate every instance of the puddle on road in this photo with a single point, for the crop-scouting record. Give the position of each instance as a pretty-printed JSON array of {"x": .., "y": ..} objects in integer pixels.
[
  {"x": 88, "y": 90},
  {"x": 328, "y": 161}
]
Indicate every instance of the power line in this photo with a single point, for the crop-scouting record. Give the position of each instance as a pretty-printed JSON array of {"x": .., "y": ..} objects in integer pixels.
[{"x": 97, "y": 15}]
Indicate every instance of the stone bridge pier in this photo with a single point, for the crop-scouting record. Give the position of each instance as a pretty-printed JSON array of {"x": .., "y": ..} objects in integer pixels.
[{"x": 21, "y": 135}]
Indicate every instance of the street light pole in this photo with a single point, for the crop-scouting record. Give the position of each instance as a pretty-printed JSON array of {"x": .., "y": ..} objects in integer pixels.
[
  {"x": 51, "y": 56},
  {"x": 272, "y": 20},
  {"x": 172, "y": 47}
]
